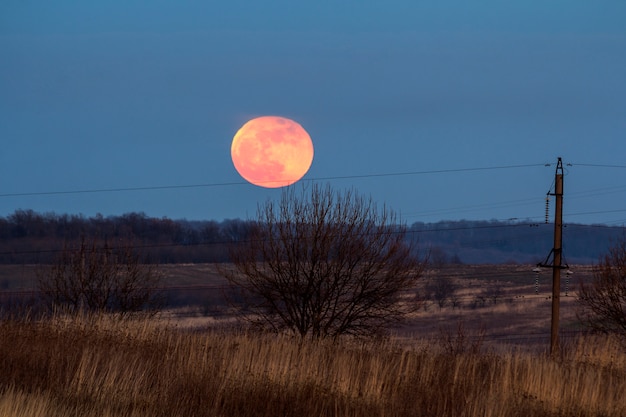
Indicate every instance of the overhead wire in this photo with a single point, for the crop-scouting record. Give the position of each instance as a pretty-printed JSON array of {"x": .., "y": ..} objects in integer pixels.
[
  {"x": 476, "y": 207},
  {"x": 238, "y": 183},
  {"x": 595, "y": 192},
  {"x": 502, "y": 204},
  {"x": 510, "y": 203},
  {"x": 596, "y": 212},
  {"x": 598, "y": 165}
]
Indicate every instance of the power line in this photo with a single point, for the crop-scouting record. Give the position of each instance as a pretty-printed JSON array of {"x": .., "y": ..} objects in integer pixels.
[
  {"x": 238, "y": 183},
  {"x": 595, "y": 192},
  {"x": 596, "y": 212},
  {"x": 528, "y": 201},
  {"x": 511, "y": 203},
  {"x": 476, "y": 207},
  {"x": 439, "y": 171},
  {"x": 112, "y": 190},
  {"x": 599, "y": 165}
]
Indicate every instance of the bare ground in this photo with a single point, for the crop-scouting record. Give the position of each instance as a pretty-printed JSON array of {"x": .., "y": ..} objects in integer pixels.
[{"x": 496, "y": 304}]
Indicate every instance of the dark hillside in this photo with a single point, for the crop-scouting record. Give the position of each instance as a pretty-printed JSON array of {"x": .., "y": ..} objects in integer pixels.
[
  {"x": 495, "y": 242},
  {"x": 27, "y": 237}
]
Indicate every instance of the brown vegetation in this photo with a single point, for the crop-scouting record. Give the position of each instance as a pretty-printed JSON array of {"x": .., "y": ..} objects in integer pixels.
[
  {"x": 603, "y": 300},
  {"x": 93, "y": 277},
  {"x": 324, "y": 264},
  {"x": 100, "y": 366}
]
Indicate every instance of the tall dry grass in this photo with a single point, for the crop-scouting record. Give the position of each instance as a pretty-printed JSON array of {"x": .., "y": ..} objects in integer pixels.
[{"x": 99, "y": 366}]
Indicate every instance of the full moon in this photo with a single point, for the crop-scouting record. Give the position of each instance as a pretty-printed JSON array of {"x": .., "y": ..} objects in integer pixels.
[{"x": 272, "y": 151}]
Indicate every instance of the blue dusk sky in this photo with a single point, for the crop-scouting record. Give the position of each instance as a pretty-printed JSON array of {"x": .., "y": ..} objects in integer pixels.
[{"x": 438, "y": 109}]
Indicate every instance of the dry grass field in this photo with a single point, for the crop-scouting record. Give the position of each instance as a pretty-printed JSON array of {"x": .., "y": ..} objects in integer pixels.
[
  {"x": 497, "y": 304},
  {"x": 101, "y": 366},
  {"x": 483, "y": 355}
]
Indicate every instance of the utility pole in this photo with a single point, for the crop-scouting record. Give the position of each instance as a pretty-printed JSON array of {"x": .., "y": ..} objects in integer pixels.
[
  {"x": 558, "y": 249},
  {"x": 557, "y": 259}
]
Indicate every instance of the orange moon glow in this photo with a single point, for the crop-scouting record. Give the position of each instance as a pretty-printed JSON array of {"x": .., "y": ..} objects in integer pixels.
[{"x": 272, "y": 151}]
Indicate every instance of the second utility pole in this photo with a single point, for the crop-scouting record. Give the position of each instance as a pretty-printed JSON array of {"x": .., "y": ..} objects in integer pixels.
[{"x": 557, "y": 250}]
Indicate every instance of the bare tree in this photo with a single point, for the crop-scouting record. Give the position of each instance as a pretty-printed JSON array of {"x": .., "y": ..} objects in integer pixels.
[
  {"x": 323, "y": 264},
  {"x": 101, "y": 278},
  {"x": 493, "y": 292},
  {"x": 438, "y": 257},
  {"x": 603, "y": 301},
  {"x": 443, "y": 290}
]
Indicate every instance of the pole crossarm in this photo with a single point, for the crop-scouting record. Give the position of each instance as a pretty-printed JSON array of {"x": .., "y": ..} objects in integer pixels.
[{"x": 548, "y": 264}]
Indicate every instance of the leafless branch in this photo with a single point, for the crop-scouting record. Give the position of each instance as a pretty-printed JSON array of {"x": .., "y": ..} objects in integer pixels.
[{"x": 323, "y": 264}]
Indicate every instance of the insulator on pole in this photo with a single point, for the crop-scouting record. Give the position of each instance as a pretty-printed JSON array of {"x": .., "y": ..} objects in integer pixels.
[
  {"x": 537, "y": 271},
  {"x": 547, "y": 209}
]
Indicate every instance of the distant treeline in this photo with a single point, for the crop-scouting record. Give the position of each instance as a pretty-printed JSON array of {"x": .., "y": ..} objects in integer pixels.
[
  {"x": 520, "y": 242},
  {"x": 28, "y": 237}
]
